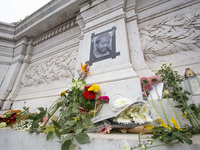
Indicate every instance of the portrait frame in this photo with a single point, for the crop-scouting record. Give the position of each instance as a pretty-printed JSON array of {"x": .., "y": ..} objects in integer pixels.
[{"x": 110, "y": 52}]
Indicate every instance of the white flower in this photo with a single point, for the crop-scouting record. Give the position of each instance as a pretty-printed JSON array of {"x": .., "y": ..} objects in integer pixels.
[
  {"x": 126, "y": 145},
  {"x": 2, "y": 125},
  {"x": 122, "y": 102},
  {"x": 81, "y": 86},
  {"x": 123, "y": 120}
]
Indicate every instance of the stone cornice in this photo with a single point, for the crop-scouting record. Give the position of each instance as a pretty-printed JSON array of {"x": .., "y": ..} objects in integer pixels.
[
  {"x": 164, "y": 12},
  {"x": 58, "y": 30}
]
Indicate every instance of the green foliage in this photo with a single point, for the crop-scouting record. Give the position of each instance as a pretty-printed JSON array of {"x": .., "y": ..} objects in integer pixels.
[
  {"x": 37, "y": 118},
  {"x": 172, "y": 81}
]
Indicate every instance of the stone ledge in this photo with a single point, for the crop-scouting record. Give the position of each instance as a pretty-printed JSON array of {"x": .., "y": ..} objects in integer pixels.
[{"x": 22, "y": 140}]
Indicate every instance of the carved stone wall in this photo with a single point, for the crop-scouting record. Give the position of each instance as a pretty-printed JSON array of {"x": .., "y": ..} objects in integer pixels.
[
  {"x": 56, "y": 68},
  {"x": 169, "y": 35}
]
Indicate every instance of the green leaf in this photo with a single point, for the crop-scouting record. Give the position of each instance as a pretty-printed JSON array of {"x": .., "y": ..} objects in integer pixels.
[
  {"x": 70, "y": 123},
  {"x": 56, "y": 124},
  {"x": 66, "y": 130},
  {"x": 79, "y": 127},
  {"x": 182, "y": 138},
  {"x": 72, "y": 146},
  {"x": 49, "y": 136},
  {"x": 66, "y": 145},
  {"x": 33, "y": 116},
  {"x": 41, "y": 109},
  {"x": 82, "y": 138},
  {"x": 35, "y": 123},
  {"x": 67, "y": 138},
  {"x": 87, "y": 121},
  {"x": 58, "y": 133},
  {"x": 75, "y": 110}
]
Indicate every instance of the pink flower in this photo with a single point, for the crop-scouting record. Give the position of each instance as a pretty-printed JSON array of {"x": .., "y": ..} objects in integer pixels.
[
  {"x": 81, "y": 110},
  {"x": 147, "y": 89},
  {"x": 144, "y": 81},
  {"x": 106, "y": 129},
  {"x": 45, "y": 118},
  {"x": 104, "y": 98},
  {"x": 154, "y": 80}
]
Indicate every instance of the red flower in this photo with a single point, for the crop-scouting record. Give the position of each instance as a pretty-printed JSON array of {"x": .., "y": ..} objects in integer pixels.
[
  {"x": 89, "y": 95},
  {"x": 81, "y": 110},
  {"x": 87, "y": 87},
  {"x": 106, "y": 129}
]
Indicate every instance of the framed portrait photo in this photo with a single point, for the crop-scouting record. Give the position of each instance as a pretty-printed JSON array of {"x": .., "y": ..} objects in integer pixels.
[{"x": 103, "y": 46}]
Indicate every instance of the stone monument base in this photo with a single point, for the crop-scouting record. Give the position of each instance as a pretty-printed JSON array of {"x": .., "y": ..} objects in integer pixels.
[{"x": 23, "y": 140}]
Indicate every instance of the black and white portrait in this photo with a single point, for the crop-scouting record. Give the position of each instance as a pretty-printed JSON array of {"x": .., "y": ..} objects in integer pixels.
[{"x": 103, "y": 46}]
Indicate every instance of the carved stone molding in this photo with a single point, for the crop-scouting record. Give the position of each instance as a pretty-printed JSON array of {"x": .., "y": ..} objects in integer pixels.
[
  {"x": 58, "y": 30},
  {"x": 53, "y": 69},
  {"x": 165, "y": 36}
]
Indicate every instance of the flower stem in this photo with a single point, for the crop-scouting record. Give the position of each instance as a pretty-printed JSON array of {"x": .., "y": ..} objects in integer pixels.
[
  {"x": 95, "y": 107},
  {"x": 175, "y": 112},
  {"x": 162, "y": 106},
  {"x": 149, "y": 102},
  {"x": 154, "y": 104},
  {"x": 185, "y": 103}
]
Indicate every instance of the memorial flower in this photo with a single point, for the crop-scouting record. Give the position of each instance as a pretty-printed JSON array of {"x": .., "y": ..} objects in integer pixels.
[
  {"x": 173, "y": 121},
  {"x": 154, "y": 80},
  {"x": 3, "y": 124},
  {"x": 83, "y": 71},
  {"x": 45, "y": 118},
  {"x": 138, "y": 113},
  {"x": 184, "y": 115},
  {"x": 106, "y": 129},
  {"x": 144, "y": 81},
  {"x": 165, "y": 126},
  {"x": 89, "y": 95},
  {"x": 94, "y": 88},
  {"x": 103, "y": 98},
  {"x": 81, "y": 110}
]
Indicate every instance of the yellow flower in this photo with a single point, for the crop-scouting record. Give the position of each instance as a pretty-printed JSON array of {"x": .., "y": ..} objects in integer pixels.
[
  {"x": 166, "y": 126},
  {"x": 76, "y": 119},
  {"x": 173, "y": 121},
  {"x": 184, "y": 115},
  {"x": 148, "y": 127},
  {"x": 62, "y": 93},
  {"x": 94, "y": 88}
]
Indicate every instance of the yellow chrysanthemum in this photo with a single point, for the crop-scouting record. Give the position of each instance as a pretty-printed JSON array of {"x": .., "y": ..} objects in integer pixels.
[
  {"x": 166, "y": 126},
  {"x": 148, "y": 127},
  {"x": 94, "y": 88},
  {"x": 62, "y": 93},
  {"x": 173, "y": 121},
  {"x": 184, "y": 115}
]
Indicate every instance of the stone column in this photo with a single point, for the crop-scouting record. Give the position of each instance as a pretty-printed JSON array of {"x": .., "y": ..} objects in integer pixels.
[
  {"x": 25, "y": 63},
  {"x": 115, "y": 75},
  {"x": 136, "y": 52},
  {"x": 13, "y": 72}
]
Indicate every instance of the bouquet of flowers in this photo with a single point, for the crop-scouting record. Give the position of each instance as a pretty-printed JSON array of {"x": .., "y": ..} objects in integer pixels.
[
  {"x": 10, "y": 117},
  {"x": 75, "y": 106}
]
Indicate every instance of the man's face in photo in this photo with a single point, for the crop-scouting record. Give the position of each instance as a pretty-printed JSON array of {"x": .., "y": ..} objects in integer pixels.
[{"x": 103, "y": 45}]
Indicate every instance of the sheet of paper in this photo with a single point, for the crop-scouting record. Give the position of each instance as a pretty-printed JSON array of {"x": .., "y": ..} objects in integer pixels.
[{"x": 153, "y": 94}]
